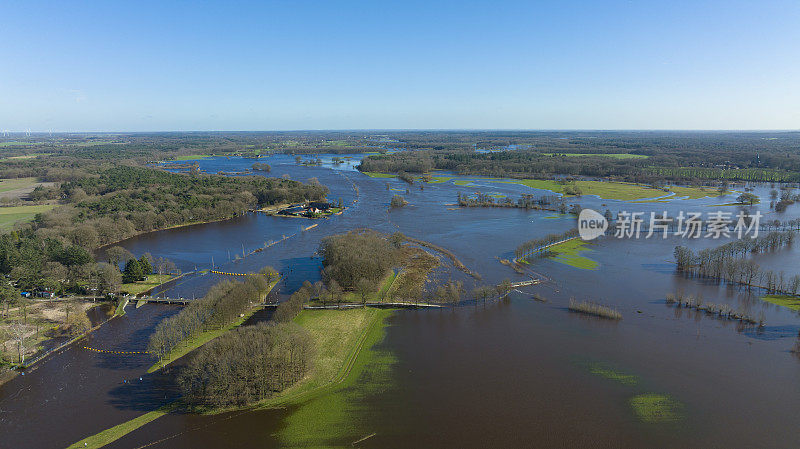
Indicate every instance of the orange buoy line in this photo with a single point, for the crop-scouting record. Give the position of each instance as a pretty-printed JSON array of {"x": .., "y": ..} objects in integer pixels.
[
  {"x": 115, "y": 352},
  {"x": 233, "y": 274}
]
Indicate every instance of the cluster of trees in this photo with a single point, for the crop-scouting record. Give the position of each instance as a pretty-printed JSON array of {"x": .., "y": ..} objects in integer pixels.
[
  {"x": 787, "y": 198},
  {"x": 398, "y": 201},
  {"x": 261, "y": 166},
  {"x": 449, "y": 292},
  {"x": 526, "y": 201},
  {"x": 728, "y": 262},
  {"x": 247, "y": 365},
  {"x": 407, "y": 177},
  {"x": 361, "y": 254},
  {"x": 221, "y": 306},
  {"x": 531, "y": 246}
]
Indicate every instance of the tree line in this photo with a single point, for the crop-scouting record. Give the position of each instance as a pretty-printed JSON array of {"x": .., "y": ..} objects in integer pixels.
[
  {"x": 221, "y": 306},
  {"x": 526, "y": 249},
  {"x": 525, "y": 201},
  {"x": 728, "y": 263}
]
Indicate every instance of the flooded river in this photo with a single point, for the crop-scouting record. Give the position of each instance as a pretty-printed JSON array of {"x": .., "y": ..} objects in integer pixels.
[{"x": 498, "y": 374}]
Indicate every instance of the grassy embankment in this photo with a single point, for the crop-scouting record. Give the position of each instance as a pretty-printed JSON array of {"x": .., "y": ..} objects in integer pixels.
[
  {"x": 792, "y": 302},
  {"x": 152, "y": 281},
  {"x": 344, "y": 341},
  {"x": 570, "y": 253},
  {"x": 191, "y": 344},
  {"x": 325, "y": 405},
  {"x": 108, "y": 436}
]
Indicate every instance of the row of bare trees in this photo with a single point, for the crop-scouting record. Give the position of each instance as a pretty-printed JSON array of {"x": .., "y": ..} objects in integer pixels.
[
  {"x": 531, "y": 246},
  {"x": 729, "y": 263},
  {"x": 221, "y": 306}
]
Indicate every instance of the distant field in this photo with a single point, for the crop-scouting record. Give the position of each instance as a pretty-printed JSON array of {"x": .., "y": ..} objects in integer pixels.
[
  {"x": 192, "y": 157},
  {"x": 15, "y": 144},
  {"x": 611, "y": 155},
  {"x": 18, "y": 214},
  {"x": 28, "y": 156},
  {"x": 16, "y": 183},
  {"x": 379, "y": 175},
  {"x": 606, "y": 190}
]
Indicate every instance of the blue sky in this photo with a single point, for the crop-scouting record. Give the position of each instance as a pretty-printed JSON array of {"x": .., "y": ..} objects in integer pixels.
[{"x": 149, "y": 66}]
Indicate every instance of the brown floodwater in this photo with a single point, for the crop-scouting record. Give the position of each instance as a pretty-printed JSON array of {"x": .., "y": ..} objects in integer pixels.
[{"x": 501, "y": 374}]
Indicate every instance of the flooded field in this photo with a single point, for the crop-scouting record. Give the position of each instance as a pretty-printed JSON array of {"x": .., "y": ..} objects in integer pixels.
[{"x": 512, "y": 373}]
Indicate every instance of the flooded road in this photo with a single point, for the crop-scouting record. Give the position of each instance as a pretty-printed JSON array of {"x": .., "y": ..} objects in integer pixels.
[{"x": 504, "y": 374}]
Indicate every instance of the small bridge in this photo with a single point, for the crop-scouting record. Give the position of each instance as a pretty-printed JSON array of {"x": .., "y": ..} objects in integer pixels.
[{"x": 146, "y": 299}]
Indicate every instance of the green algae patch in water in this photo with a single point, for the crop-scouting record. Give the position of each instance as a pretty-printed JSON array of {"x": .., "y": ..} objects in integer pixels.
[
  {"x": 331, "y": 416},
  {"x": 656, "y": 408},
  {"x": 570, "y": 253},
  {"x": 612, "y": 374}
]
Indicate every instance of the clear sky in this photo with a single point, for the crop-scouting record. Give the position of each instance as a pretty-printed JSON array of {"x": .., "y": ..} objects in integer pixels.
[{"x": 338, "y": 64}]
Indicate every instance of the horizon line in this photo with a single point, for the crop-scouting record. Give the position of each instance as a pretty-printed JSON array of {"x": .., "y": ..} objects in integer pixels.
[{"x": 721, "y": 130}]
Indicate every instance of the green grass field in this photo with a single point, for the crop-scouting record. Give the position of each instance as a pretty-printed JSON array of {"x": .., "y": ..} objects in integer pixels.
[
  {"x": 439, "y": 179},
  {"x": 379, "y": 175},
  {"x": 14, "y": 143},
  {"x": 153, "y": 280},
  {"x": 693, "y": 193},
  {"x": 792, "y": 302},
  {"x": 570, "y": 253},
  {"x": 27, "y": 156},
  {"x": 611, "y": 155},
  {"x": 9, "y": 216},
  {"x": 326, "y": 411},
  {"x": 16, "y": 183},
  {"x": 192, "y": 157}
]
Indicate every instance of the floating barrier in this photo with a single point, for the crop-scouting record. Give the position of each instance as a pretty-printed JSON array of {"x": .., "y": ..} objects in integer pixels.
[
  {"x": 116, "y": 352},
  {"x": 232, "y": 274}
]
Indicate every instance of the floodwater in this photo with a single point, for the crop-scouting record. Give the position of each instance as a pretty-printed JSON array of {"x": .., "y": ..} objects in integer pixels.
[{"x": 501, "y": 374}]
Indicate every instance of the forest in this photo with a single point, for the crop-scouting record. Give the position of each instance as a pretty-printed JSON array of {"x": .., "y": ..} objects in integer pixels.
[{"x": 107, "y": 205}]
